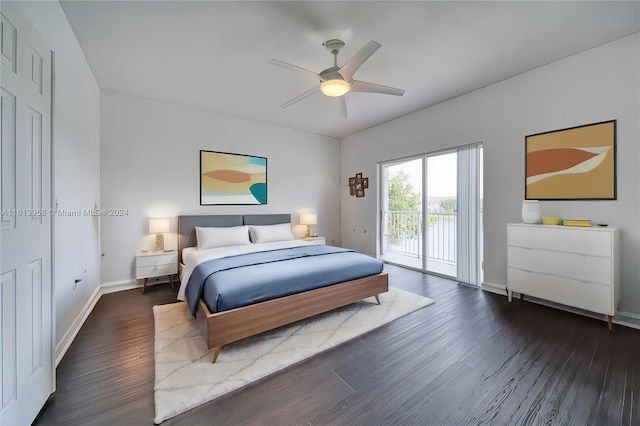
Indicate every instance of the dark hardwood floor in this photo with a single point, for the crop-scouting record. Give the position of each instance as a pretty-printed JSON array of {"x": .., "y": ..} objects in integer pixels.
[{"x": 471, "y": 358}]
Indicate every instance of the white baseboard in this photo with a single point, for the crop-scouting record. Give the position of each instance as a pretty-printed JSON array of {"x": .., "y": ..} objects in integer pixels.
[
  {"x": 629, "y": 314},
  {"x": 628, "y": 319},
  {"x": 63, "y": 345},
  {"x": 500, "y": 289},
  {"x": 113, "y": 286}
]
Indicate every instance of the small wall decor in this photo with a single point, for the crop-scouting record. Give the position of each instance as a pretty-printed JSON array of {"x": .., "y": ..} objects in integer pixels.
[
  {"x": 358, "y": 184},
  {"x": 578, "y": 163},
  {"x": 232, "y": 179}
]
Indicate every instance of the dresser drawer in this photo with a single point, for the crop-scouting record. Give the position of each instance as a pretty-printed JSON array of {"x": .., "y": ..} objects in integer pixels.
[
  {"x": 156, "y": 271},
  {"x": 592, "y": 242},
  {"x": 588, "y": 296},
  {"x": 568, "y": 265},
  {"x": 154, "y": 260}
]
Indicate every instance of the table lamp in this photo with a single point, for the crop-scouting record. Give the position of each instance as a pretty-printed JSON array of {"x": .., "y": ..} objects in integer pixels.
[
  {"x": 159, "y": 227},
  {"x": 309, "y": 219}
]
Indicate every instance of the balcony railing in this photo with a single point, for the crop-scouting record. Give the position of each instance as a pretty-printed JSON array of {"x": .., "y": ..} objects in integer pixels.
[{"x": 403, "y": 234}]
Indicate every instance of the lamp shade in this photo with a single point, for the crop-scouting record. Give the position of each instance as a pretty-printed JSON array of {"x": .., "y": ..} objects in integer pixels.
[
  {"x": 334, "y": 88},
  {"x": 158, "y": 226},
  {"x": 308, "y": 219}
]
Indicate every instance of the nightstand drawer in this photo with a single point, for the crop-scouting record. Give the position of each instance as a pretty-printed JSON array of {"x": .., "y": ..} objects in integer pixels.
[
  {"x": 156, "y": 270},
  {"x": 316, "y": 241},
  {"x": 155, "y": 260}
]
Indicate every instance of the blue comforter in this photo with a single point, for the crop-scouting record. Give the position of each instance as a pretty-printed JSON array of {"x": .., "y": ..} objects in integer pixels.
[{"x": 242, "y": 280}]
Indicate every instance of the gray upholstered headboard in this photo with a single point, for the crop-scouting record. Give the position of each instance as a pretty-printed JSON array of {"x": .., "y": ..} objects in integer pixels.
[
  {"x": 265, "y": 219},
  {"x": 187, "y": 225}
]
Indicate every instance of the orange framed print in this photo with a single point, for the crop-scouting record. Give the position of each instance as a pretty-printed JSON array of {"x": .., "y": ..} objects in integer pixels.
[{"x": 578, "y": 163}]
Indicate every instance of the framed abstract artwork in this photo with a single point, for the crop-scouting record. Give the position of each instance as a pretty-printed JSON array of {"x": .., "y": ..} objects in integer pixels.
[
  {"x": 578, "y": 163},
  {"x": 232, "y": 179}
]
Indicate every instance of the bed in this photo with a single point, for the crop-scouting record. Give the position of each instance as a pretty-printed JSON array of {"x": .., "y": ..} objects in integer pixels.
[{"x": 225, "y": 325}]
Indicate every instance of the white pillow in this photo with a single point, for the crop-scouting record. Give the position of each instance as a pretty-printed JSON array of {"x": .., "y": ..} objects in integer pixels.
[
  {"x": 222, "y": 237},
  {"x": 270, "y": 233}
]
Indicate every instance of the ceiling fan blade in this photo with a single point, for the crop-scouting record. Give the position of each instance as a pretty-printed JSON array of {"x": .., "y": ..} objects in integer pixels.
[
  {"x": 305, "y": 95},
  {"x": 342, "y": 101},
  {"x": 358, "y": 59},
  {"x": 295, "y": 68},
  {"x": 363, "y": 86}
]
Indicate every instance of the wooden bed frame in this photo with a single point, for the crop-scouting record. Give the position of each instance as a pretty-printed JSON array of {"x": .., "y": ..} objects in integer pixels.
[{"x": 221, "y": 328}]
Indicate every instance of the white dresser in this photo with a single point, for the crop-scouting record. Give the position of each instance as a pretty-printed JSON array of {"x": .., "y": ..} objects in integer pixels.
[{"x": 574, "y": 266}]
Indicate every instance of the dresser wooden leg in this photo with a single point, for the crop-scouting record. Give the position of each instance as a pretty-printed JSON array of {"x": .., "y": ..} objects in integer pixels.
[
  {"x": 509, "y": 295},
  {"x": 378, "y": 298},
  {"x": 610, "y": 322},
  {"x": 171, "y": 280},
  {"x": 144, "y": 284}
]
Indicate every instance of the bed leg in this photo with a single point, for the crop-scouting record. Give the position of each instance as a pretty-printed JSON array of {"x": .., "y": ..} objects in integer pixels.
[
  {"x": 216, "y": 352},
  {"x": 378, "y": 298}
]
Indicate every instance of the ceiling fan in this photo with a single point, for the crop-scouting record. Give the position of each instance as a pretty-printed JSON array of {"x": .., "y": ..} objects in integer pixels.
[{"x": 338, "y": 81}]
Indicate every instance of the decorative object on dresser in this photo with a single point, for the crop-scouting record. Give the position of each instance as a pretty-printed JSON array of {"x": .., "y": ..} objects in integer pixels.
[
  {"x": 574, "y": 266},
  {"x": 551, "y": 220},
  {"x": 309, "y": 219},
  {"x": 578, "y": 163},
  {"x": 357, "y": 185},
  {"x": 531, "y": 211},
  {"x": 232, "y": 179},
  {"x": 159, "y": 226},
  {"x": 151, "y": 265}
]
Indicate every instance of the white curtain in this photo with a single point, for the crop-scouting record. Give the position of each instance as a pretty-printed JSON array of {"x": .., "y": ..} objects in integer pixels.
[{"x": 468, "y": 213}]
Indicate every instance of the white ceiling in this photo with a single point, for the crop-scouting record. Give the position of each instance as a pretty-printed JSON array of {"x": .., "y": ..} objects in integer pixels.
[{"x": 215, "y": 55}]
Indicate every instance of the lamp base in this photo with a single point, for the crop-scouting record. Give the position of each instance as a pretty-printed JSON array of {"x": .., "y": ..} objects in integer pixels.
[{"x": 159, "y": 242}]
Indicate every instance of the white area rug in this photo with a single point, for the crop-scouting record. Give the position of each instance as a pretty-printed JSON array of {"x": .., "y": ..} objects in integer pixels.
[{"x": 186, "y": 378}]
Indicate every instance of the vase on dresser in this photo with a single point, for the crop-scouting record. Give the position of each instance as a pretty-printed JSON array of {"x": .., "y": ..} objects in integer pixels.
[{"x": 531, "y": 211}]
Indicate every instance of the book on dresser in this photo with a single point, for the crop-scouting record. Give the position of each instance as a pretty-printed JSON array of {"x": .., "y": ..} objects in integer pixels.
[
  {"x": 573, "y": 266},
  {"x": 576, "y": 222}
]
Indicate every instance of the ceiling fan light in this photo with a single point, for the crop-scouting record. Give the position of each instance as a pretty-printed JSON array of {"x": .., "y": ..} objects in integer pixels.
[{"x": 335, "y": 88}]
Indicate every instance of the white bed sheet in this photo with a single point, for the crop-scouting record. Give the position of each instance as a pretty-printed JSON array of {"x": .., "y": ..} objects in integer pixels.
[
  {"x": 192, "y": 257},
  {"x": 187, "y": 253}
]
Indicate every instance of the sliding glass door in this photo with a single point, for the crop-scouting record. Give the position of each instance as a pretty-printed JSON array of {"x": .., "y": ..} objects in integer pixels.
[
  {"x": 441, "y": 211},
  {"x": 431, "y": 213},
  {"x": 401, "y": 215}
]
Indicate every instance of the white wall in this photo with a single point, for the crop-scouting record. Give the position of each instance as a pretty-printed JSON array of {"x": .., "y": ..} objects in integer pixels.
[
  {"x": 76, "y": 138},
  {"x": 596, "y": 85},
  {"x": 150, "y": 166}
]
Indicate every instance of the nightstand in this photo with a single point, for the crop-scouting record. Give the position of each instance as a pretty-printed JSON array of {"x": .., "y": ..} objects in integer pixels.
[
  {"x": 149, "y": 265},
  {"x": 316, "y": 241}
]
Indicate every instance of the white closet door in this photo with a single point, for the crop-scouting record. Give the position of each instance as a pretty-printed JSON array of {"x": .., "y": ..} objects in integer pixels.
[{"x": 27, "y": 343}]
